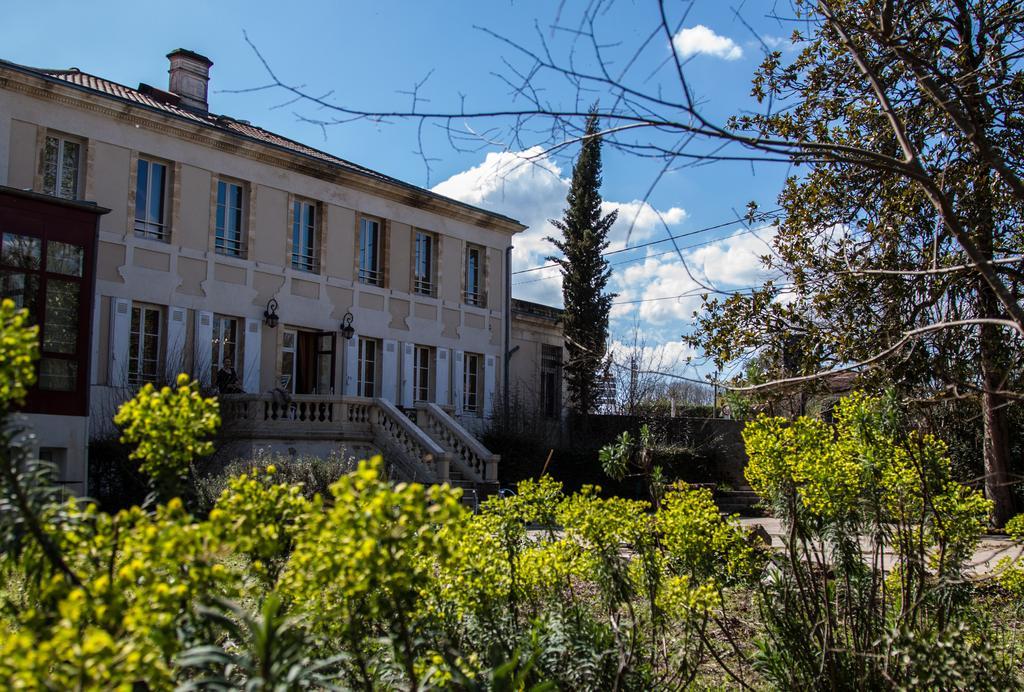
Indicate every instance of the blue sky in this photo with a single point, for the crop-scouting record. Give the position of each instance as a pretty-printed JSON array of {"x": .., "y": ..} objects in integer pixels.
[{"x": 366, "y": 53}]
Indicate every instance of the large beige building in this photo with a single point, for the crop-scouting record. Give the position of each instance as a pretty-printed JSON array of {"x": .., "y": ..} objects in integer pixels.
[{"x": 336, "y": 293}]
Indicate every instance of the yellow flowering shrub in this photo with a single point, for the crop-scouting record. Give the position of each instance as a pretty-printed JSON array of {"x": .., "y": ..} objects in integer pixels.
[
  {"x": 361, "y": 566},
  {"x": 169, "y": 428},
  {"x": 141, "y": 576},
  {"x": 19, "y": 348},
  {"x": 260, "y": 519},
  {"x": 1011, "y": 569},
  {"x": 700, "y": 542}
]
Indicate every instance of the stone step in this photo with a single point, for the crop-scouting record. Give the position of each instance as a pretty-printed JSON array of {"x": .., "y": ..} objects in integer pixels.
[{"x": 744, "y": 502}]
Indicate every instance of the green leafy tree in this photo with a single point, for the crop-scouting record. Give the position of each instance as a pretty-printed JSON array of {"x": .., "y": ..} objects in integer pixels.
[
  {"x": 898, "y": 240},
  {"x": 585, "y": 272}
]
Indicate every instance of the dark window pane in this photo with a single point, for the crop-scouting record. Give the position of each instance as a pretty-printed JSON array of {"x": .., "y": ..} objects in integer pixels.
[
  {"x": 60, "y": 334},
  {"x": 57, "y": 374},
  {"x": 23, "y": 289},
  {"x": 221, "y": 228},
  {"x": 21, "y": 251},
  {"x": 152, "y": 321},
  {"x": 141, "y": 188},
  {"x": 64, "y": 258},
  {"x": 156, "y": 194},
  {"x": 133, "y": 362}
]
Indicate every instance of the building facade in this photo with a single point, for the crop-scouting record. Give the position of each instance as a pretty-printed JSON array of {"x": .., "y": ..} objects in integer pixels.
[
  {"x": 536, "y": 358},
  {"x": 253, "y": 262}
]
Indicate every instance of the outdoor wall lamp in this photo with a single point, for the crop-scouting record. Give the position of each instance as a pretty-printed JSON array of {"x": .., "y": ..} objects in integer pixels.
[
  {"x": 347, "y": 331},
  {"x": 270, "y": 314}
]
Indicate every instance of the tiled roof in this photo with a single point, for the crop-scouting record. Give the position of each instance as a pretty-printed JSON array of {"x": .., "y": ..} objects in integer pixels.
[
  {"x": 166, "y": 102},
  {"x": 84, "y": 79}
]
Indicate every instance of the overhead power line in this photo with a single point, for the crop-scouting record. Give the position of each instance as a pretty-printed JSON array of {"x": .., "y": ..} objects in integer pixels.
[
  {"x": 764, "y": 216},
  {"x": 697, "y": 292},
  {"x": 639, "y": 259}
]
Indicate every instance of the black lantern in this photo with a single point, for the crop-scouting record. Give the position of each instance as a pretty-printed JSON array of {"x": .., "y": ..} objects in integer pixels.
[
  {"x": 270, "y": 314},
  {"x": 347, "y": 330}
]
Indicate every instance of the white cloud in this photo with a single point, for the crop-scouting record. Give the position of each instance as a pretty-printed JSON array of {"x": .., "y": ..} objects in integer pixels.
[
  {"x": 669, "y": 356},
  {"x": 699, "y": 39},
  {"x": 735, "y": 261},
  {"x": 530, "y": 187},
  {"x": 658, "y": 282},
  {"x": 782, "y": 43}
]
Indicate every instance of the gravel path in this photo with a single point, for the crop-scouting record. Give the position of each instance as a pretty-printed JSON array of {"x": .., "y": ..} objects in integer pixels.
[{"x": 990, "y": 551}]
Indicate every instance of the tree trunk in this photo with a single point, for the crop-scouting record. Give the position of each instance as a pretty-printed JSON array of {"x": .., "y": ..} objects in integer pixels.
[{"x": 996, "y": 440}]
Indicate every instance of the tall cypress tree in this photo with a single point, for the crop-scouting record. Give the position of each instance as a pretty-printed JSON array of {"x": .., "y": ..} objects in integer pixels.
[{"x": 585, "y": 272}]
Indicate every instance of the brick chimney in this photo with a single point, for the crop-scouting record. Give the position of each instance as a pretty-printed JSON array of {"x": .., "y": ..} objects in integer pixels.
[{"x": 190, "y": 77}]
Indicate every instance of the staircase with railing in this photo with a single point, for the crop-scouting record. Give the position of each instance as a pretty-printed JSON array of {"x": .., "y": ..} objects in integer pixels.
[
  {"x": 357, "y": 423},
  {"x": 417, "y": 456},
  {"x": 472, "y": 466}
]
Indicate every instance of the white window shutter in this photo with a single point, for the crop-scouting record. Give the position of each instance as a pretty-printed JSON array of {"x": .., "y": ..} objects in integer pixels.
[
  {"x": 458, "y": 366},
  {"x": 489, "y": 376},
  {"x": 174, "y": 356},
  {"x": 203, "y": 347},
  {"x": 251, "y": 354},
  {"x": 351, "y": 366},
  {"x": 389, "y": 371},
  {"x": 408, "y": 356},
  {"x": 120, "y": 337},
  {"x": 442, "y": 378}
]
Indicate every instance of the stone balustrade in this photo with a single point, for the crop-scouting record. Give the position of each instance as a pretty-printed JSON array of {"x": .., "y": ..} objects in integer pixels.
[
  {"x": 343, "y": 419},
  {"x": 472, "y": 459}
]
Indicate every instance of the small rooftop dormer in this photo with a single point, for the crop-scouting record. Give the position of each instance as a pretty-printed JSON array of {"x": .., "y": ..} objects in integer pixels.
[{"x": 190, "y": 78}]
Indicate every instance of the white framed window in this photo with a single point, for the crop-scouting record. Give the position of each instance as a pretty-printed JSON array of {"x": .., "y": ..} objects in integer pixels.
[
  {"x": 305, "y": 243},
  {"x": 474, "y": 275},
  {"x": 145, "y": 343},
  {"x": 286, "y": 379},
  {"x": 423, "y": 370},
  {"x": 424, "y": 274},
  {"x": 224, "y": 345},
  {"x": 150, "y": 199},
  {"x": 370, "y": 264},
  {"x": 228, "y": 234},
  {"x": 471, "y": 382},
  {"x": 62, "y": 166},
  {"x": 369, "y": 352}
]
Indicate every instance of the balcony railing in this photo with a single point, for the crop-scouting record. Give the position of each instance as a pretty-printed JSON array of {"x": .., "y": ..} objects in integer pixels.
[
  {"x": 477, "y": 298},
  {"x": 424, "y": 287},
  {"x": 372, "y": 277}
]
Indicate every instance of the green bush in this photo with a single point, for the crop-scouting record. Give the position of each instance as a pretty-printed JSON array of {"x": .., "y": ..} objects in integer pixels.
[
  {"x": 879, "y": 541},
  {"x": 314, "y": 475}
]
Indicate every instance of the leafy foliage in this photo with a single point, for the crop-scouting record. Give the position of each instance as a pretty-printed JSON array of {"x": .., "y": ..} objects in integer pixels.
[
  {"x": 19, "y": 348},
  {"x": 864, "y": 481},
  {"x": 398, "y": 586},
  {"x": 865, "y": 258},
  {"x": 169, "y": 428}
]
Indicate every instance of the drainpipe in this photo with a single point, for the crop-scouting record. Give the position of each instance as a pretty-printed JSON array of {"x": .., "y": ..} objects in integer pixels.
[{"x": 508, "y": 335}]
